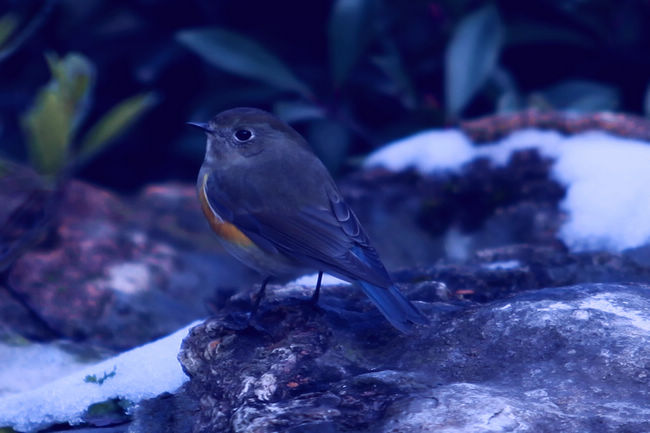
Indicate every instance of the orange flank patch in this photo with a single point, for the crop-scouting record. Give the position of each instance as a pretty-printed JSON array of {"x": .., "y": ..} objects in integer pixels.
[{"x": 223, "y": 229}]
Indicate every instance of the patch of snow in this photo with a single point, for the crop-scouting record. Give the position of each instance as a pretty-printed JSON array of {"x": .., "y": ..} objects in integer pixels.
[
  {"x": 26, "y": 366},
  {"x": 608, "y": 192},
  {"x": 548, "y": 142},
  {"x": 310, "y": 280},
  {"x": 506, "y": 265},
  {"x": 607, "y": 177},
  {"x": 141, "y": 373},
  {"x": 425, "y": 151}
]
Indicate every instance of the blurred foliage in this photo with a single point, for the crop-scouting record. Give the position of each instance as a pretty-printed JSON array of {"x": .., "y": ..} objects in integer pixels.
[
  {"x": 242, "y": 56},
  {"x": 114, "y": 123},
  {"x": 57, "y": 111},
  {"x": 348, "y": 33},
  {"x": 471, "y": 56},
  {"x": 8, "y": 24},
  {"x": 348, "y": 74},
  {"x": 52, "y": 122}
]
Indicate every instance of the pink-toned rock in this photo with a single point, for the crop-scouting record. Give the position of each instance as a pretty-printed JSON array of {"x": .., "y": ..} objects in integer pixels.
[{"x": 121, "y": 272}]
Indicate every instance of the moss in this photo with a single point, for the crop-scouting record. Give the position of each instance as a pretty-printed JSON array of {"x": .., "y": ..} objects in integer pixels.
[{"x": 92, "y": 378}]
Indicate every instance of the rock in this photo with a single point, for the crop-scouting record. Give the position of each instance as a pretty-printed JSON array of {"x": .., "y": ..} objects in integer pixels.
[
  {"x": 570, "y": 359},
  {"x": 119, "y": 274},
  {"x": 416, "y": 219},
  {"x": 525, "y": 335},
  {"x": 169, "y": 413},
  {"x": 494, "y": 273}
]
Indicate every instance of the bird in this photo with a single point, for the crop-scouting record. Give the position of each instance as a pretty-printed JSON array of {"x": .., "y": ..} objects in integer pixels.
[{"x": 276, "y": 208}]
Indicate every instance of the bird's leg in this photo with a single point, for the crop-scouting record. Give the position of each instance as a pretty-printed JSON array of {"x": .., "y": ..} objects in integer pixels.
[
  {"x": 314, "y": 297},
  {"x": 260, "y": 295}
]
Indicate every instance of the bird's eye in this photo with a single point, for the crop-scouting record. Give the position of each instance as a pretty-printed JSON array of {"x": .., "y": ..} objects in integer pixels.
[{"x": 243, "y": 135}]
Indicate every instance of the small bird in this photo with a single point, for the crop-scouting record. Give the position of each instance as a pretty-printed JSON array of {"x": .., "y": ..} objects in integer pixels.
[{"x": 276, "y": 208}]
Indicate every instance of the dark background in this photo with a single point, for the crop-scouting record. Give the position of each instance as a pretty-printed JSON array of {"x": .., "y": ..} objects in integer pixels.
[{"x": 583, "y": 55}]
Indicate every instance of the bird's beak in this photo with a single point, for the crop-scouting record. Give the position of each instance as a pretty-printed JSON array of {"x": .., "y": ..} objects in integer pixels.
[{"x": 202, "y": 126}]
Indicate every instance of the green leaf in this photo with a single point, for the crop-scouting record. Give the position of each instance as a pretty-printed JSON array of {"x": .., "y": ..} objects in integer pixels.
[
  {"x": 8, "y": 24},
  {"x": 58, "y": 109},
  {"x": 114, "y": 123},
  {"x": 582, "y": 96},
  {"x": 241, "y": 56},
  {"x": 48, "y": 129},
  {"x": 74, "y": 78},
  {"x": 348, "y": 34},
  {"x": 471, "y": 56}
]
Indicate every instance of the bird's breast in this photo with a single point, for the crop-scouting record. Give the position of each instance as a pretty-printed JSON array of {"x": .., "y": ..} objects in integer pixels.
[
  {"x": 223, "y": 229},
  {"x": 242, "y": 247}
]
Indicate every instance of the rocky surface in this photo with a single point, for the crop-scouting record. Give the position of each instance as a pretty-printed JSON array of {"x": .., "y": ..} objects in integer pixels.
[
  {"x": 118, "y": 273},
  {"x": 416, "y": 220},
  {"x": 525, "y": 335},
  {"x": 571, "y": 359}
]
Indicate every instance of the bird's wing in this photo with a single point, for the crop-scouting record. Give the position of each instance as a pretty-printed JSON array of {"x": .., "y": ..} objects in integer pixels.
[{"x": 327, "y": 236}]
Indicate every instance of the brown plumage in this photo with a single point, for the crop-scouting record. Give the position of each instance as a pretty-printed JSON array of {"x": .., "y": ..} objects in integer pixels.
[{"x": 276, "y": 208}]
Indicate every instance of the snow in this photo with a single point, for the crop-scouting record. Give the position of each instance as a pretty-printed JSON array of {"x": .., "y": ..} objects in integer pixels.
[
  {"x": 503, "y": 265},
  {"x": 607, "y": 178},
  {"x": 425, "y": 151},
  {"x": 608, "y": 198},
  {"x": 141, "y": 373},
  {"x": 310, "y": 280},
  {"x": 27, "y": 365}
]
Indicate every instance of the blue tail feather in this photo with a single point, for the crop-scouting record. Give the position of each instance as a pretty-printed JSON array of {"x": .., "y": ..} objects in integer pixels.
[{"x": 394, "y": 306}]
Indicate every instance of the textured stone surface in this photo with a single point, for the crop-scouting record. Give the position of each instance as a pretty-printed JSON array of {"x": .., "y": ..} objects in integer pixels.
[
  {"x": 415, "y": 219},
  {"x": 119, "y": 273},
  {"x": 525, "y": 335},
  {"x": 571, "y": 359}
]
